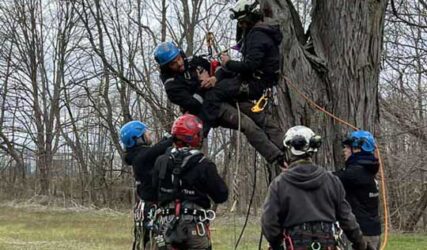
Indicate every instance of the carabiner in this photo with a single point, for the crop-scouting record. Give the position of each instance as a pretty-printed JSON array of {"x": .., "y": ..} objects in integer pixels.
[
  {"x": 204, "y": 218},
  {"x": 210, "y": 215},
  {"x": 260, "y": 104},
  {"x": 201, "y": 232},
  {"x": 315, "y": 245}
]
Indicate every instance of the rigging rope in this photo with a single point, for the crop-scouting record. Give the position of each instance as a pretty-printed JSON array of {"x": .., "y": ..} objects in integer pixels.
[{"x": 236, "y": 172}]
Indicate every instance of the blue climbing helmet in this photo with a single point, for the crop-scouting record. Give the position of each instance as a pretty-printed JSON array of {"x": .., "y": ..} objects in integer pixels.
[
  {"x": 165, "y": 52},
  {"x": 361, "y": 139},
  {"x": 130, "y": 132}
]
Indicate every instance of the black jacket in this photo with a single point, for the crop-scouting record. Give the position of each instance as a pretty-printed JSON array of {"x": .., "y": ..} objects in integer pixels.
[
  {"x": 358, "y": 178},
  {"x": 261, "y": 55},
  {"x": 199, "y": 179},
  {"x": 306, "y": 193},
  {"x": 142, "y": 159},
  {"x": 184, "y": 89}
]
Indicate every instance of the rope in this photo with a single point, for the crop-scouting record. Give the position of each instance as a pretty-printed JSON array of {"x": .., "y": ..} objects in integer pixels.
[
  {"x": 235, "y": 178},
  {"x": 383, "y": 185},
  {"x": 250, "y": 202}
]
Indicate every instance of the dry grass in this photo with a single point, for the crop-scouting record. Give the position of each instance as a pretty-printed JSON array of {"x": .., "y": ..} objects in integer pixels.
[{"x": 40, "y": 227}]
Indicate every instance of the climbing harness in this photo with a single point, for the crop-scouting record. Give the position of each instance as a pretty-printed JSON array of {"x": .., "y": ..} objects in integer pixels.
[
  {"x": 313, "y": 236},
  {"x": 175, "y": 217}
]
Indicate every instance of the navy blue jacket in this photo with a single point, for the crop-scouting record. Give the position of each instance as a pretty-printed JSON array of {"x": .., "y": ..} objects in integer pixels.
[{"x": 358, "y": 178}]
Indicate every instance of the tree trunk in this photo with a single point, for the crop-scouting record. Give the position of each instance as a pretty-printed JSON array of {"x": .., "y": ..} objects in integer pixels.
[{"x": 336, "y": 64}]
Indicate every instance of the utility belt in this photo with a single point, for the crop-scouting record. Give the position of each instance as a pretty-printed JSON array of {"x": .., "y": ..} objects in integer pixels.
[
  {"x": 312, "y": 236},
  {"x": 180, "y": 219},
  {"x": 265, "y": 81},
  {"x": 199, "y": 215}
]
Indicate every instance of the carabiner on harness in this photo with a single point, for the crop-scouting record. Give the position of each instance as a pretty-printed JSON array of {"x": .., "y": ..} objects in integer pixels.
[
  {"x": 200, "y": 229},
  {"x": 315, "y": 245},
  {"x": 138, "y": 212},
  {"x": 260, "y": 104},
  {"x": 209, "y": 215}
]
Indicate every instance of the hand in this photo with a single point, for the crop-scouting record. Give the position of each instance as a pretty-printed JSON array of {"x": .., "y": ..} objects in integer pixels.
[
  {"x": 166, "y": 135},
  {"x": 224, "y": 59},
  {"x": 208, "y": 82}
]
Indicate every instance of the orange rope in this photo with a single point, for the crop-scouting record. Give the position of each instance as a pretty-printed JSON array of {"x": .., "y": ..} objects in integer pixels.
[{"x": 383, "y": 185}]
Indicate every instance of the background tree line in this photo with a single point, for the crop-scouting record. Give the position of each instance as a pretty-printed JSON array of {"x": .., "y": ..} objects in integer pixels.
[{"x": 72, "y": 72}]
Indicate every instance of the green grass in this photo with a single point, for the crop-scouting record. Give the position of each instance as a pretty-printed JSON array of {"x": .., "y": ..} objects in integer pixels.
[{"x": 41, "y": 228}]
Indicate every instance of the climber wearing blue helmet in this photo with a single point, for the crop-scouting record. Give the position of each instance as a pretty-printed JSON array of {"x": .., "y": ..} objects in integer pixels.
[
  {"x": 358, "y": 178},
  {"x": 187, "y": 82},
  {"x": 141, "y": 155}
]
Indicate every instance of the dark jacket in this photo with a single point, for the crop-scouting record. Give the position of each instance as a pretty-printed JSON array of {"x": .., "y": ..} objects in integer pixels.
[
  {"x": 198, "y": 178},
  {"x": 184, "y": 89},
  {"x": 306, "y": 193},
  {"x": 261, "y": 55},
  {"x": 358, "y": 178},
  {"x": 142, "y": 159}
]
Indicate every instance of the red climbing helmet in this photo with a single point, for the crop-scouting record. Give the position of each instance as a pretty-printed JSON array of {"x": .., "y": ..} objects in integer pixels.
[{"x": 187, "y": 131}]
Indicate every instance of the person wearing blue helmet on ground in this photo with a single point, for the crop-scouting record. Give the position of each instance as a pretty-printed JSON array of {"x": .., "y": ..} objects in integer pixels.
[
  {"x": 358, "y": 178},
  {"x": 141, "y": 155},
  {"x": 186, "y": 83}
]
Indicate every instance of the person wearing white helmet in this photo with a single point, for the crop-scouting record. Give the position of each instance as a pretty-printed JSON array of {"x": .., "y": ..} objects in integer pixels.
[
  {"x": 305, "y": 201},
  {"x": 251, "y": 78}
]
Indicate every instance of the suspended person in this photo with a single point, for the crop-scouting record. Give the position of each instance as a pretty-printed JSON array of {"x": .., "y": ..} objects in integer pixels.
[
  {"x": 358, "y": 178},
  {"x": 141, "y": 155},
  {"x": 304, "y": 202},
  {"x": 187, "y": 181},
  {"x": 186, "y": 84}
]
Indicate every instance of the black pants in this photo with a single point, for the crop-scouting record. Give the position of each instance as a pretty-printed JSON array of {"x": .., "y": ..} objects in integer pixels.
[{"x": 261, "y": 130}]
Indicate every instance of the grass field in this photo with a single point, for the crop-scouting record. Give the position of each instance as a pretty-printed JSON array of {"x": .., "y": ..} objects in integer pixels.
[{"x": 47, "y": 228}]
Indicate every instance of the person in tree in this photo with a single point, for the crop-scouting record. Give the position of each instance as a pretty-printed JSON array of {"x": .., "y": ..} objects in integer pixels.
[
  {"x": 188, "y": 81},
  {"x": 141, "y": 155},
  {"x": 187, "y": 181},
  {"x": 304, "y": 202},
  {"x": 358, "y": 178},
  {"x": 253, "y": 78}
]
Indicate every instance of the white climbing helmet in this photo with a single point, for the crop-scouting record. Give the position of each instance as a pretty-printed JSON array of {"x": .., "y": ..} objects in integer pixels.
[
  {"x": 244, "y": 7},
  {"x": 301, "y": 140}
]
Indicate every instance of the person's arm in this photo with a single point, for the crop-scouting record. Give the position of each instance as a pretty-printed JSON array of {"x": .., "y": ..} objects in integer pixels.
[
  {"x": 146, "y": 158},
  {"x": 349, "y": 176},
  {"x": 215, "y": 185},
  {"x": 256, "y": 45},
  {"x": 271, "y": 216},
  {"x": 347, "y": 219},
  {"x": 178, "y": 94}
]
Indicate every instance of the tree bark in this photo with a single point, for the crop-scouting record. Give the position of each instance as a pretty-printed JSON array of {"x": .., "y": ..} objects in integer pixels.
[{"x": 336, "y": 64}]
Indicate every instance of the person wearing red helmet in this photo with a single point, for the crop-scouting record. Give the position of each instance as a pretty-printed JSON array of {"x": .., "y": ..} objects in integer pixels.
[{"x": 187, "y": 181}]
